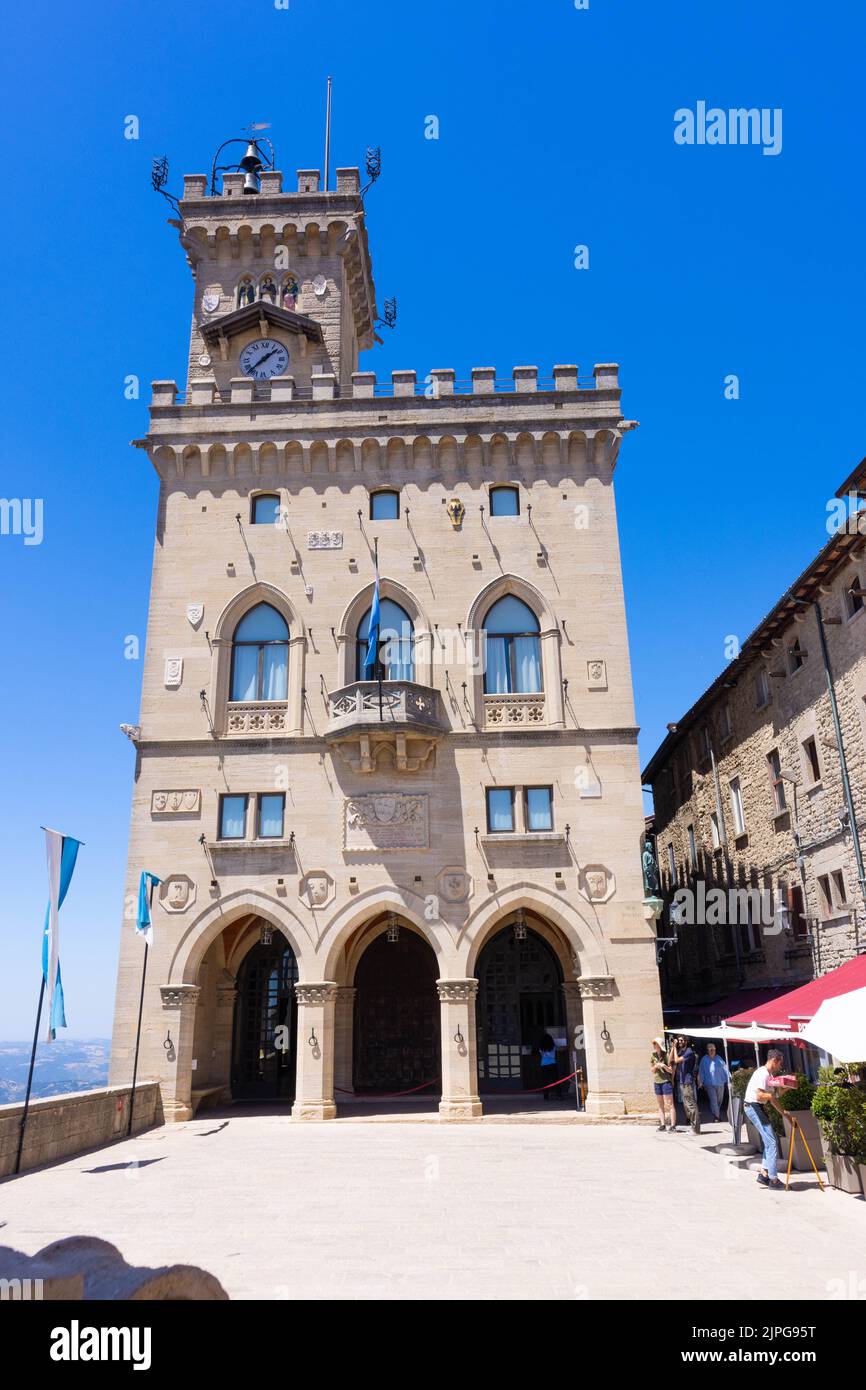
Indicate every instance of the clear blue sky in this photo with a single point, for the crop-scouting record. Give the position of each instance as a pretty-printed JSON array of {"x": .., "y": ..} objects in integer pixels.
[{"x": 556, "y": 128}]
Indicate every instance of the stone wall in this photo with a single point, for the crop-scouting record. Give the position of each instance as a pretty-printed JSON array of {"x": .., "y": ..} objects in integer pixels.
[{"x": 62, "y": 1126}]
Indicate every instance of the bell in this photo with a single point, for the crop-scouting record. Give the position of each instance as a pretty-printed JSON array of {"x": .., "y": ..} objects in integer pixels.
[
  {"x": 251, "y": 162},
  {"x": 251, "y": 183}
]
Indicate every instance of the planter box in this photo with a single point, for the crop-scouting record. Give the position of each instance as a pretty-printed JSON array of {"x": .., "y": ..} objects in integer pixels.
[
  {"x": 843, "y": 1173},
  {"x": 811, "y": 1130}
]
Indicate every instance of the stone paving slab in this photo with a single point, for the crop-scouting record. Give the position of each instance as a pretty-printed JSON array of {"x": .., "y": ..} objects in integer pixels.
[{"x": 406, "y": 1211}]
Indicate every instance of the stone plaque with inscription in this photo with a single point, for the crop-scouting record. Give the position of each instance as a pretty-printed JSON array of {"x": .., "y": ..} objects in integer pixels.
[{"x": 324, "y": 540}]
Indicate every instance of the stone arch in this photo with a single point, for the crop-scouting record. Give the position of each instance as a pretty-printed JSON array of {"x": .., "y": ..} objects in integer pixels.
[
  {"x": 192, "y": 946},
  {"x": 422, "y": 452},
  {"x": 525, "y": 453},
  {"x": 574, "y": 937},
  {"x": 354, "y": 612},
  {"x": 221, "y": 645},
  {"x": 345, "y": 949}
]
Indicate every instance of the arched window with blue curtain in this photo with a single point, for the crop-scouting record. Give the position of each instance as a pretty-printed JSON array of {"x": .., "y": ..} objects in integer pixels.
[
  {"x": 396, "y": 645},
  {"x": 513, "y": 651},
  {"x": 260, "y": 656}
]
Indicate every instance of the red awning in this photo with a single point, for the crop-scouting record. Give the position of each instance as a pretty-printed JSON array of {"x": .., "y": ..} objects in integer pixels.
[
  {"x": 798, "y": 1005},
  {"x": 740, "y": 1002}
]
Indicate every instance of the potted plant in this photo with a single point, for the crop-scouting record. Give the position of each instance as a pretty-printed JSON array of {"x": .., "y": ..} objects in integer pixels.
[
  {"x": 798, "y": 1101},
  {"x": 739, "y": 1082},
  {"x": 841, "y": 1113}
]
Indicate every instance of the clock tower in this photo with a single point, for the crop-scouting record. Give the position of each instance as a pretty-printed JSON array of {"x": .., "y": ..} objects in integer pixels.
[{"x": 283, "y": 286}]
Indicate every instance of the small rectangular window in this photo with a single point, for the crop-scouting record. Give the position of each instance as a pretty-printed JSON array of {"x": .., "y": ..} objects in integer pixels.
[
  {"x": 796, "y": 656},
  {"x": 825, "y": 894},
  {"x": 504, "y": 501},
  {"x": 714, "y": 830},
  {"x": 776, "y": 780},
  {"x": 500, "y": 810},
  {"x": 854, "y": 596},
  {"x": 737, "y": 806},
  {"x": 762, "y": 689},
  {"x": 703, "y": 744},
  {"x": 813, "y": 766},
  {"x": 838, "y": 884},
  {"x": 725, "y": 720},
  {"x": 539, "y": 808},
  {"x": 693, "y": 849},
  {"x": 384, "y": 506},
  {"x": 233, "y": 817},
  {"x": 271, "y": 814},
  {"x": 672, "y": 863},
  {"x": 266, "y": 510}
]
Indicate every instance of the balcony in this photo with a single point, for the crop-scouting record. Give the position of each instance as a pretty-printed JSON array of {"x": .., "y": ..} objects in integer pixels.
[{"x": 398, "y": 726}]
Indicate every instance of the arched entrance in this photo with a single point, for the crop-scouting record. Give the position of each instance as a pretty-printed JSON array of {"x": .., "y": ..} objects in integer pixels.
[
  {"x": 261, "y": 1068},
  {"x": 520, "y": 999},
  {"x": 397, "y": 1031}
]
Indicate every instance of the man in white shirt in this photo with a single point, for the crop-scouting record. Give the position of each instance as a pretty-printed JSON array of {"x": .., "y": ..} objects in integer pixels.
[{"x": 758, "y": 1097}]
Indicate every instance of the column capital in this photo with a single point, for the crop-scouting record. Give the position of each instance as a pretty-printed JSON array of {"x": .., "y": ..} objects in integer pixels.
[
  {"x": 596, "y": 986},
  {"x": 175, "y": 996},
  {"x": 316, "y": 993},
  {"x": 457, "y": 991}
]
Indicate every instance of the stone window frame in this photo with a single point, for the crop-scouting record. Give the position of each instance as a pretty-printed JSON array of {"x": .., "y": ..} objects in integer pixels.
[
  {"x": 549, "y": 641},
  {"x": 738, "y": 806},
  {"x": 221, "y": 654}
]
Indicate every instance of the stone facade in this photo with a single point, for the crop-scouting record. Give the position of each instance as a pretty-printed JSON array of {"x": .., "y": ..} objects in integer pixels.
[
  {"x": 385, "y": 789},
  {"x": 767, "y": 724}
]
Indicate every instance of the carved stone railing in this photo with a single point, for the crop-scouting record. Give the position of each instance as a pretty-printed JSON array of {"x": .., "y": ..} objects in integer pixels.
[
  {"x": 513, "y": 711},
  {"x": 400, "y": 731},
  {"x": 403, "y": 703},
  {"x": 253, "y": 717}
]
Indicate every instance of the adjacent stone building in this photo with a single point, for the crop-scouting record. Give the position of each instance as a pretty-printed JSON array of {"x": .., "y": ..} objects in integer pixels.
[
  {"x": 751, "y": 795},
  {"x": 385, "y": 866}
]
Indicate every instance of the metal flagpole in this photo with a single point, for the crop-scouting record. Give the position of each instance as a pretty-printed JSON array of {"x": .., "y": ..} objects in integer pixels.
[
  {"x": 328, "y": 136},
  {"x": 379, "y": 633},
  {"x": 29, "y": 1077},
  {"x": 140, "y": 1009}
]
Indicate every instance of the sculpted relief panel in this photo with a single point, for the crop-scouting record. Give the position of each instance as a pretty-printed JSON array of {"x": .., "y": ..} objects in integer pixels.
[{"x": 386, "y": 820}]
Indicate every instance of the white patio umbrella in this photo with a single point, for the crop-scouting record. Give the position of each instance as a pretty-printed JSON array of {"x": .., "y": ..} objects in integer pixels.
[{"x": 839, "y": 1027}]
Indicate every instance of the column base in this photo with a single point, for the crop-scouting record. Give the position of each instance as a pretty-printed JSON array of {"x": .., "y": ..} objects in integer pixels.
[
  {"x": 601, "y": 1103},
  {"x": 460, "y": 1110},
  {"x": 314, "y": 1110},
  {"x": 174, "y": 1113}
]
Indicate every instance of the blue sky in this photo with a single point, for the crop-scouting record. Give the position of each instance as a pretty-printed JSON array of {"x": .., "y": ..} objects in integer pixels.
[{"x": 555, "y": 129}]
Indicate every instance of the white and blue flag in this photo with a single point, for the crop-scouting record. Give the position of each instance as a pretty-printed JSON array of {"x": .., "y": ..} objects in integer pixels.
[
  {"x": 146, "y": 885},
  {"x": 61, "y": 852}
]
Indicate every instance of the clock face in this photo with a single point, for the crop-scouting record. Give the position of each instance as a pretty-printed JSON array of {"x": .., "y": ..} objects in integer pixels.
[{"x": 264, "y": 358}]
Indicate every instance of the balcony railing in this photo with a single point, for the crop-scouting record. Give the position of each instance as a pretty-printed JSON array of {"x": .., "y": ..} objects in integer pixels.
[
  {"x": 398, "y": 704},
  {"x": 513, "y": 711}
]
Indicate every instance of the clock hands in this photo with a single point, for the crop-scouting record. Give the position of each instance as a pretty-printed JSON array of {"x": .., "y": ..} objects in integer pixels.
[{"x": 270, "y": 352}]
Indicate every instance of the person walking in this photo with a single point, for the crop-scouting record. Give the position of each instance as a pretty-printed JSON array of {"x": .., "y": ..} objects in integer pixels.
[
  {"x": 758, "y": 1097},
  {"x": 686, "y": 1064},
  {"x": 548, "y": 1067},
  {"x": 714, "y": 1076},
  {"x": 662, "y": 1076}
]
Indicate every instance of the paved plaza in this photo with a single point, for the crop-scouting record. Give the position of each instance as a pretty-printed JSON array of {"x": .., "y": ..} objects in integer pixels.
[{"x": 524, "y": 1209}]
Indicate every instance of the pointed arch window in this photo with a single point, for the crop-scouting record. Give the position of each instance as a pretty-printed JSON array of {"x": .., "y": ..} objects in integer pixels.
[
  {"x": 260, "y": 656},
  {"x": 513, "y": 650},
  {"x": 396, "y": 645}
]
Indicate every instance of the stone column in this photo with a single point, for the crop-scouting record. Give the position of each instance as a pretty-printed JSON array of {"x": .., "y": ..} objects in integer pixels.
[
  {"x": 226, "y": 993},
  {"x": 574, "y": 1027},
  {"x": 597, "y": 995},
  {"x": 344, "y": 1033},
  {"x": 460, "y": 1100},
  {"x": 178, "y": 1004},
  {"x": 314, "y": 1087}
]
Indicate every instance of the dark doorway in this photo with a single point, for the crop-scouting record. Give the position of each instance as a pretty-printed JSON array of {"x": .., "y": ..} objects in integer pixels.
[
  {"x": 396, "y": 1042},
  {"x": 265, "y": 1002},
  {"x": 519, "y": 1000}
]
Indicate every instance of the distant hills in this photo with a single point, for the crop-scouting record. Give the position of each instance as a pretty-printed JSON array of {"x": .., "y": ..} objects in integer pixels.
[{"x": 76, "y": 1064}]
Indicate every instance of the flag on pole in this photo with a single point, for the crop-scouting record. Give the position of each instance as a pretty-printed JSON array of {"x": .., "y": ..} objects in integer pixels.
[
  {"x": 61, "y": 852},
  {"x": 372, "y": 655},
  {"x": 143, "y": 924}
]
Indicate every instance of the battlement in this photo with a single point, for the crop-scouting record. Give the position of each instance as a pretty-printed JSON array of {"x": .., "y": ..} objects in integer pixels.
[
  {"x": 439, "y": 383},
  {"x": 195, "y": 186}
]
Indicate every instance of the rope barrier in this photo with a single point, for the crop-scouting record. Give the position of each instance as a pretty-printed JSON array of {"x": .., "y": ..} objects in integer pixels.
[{"x": 389, "y": 1095}]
